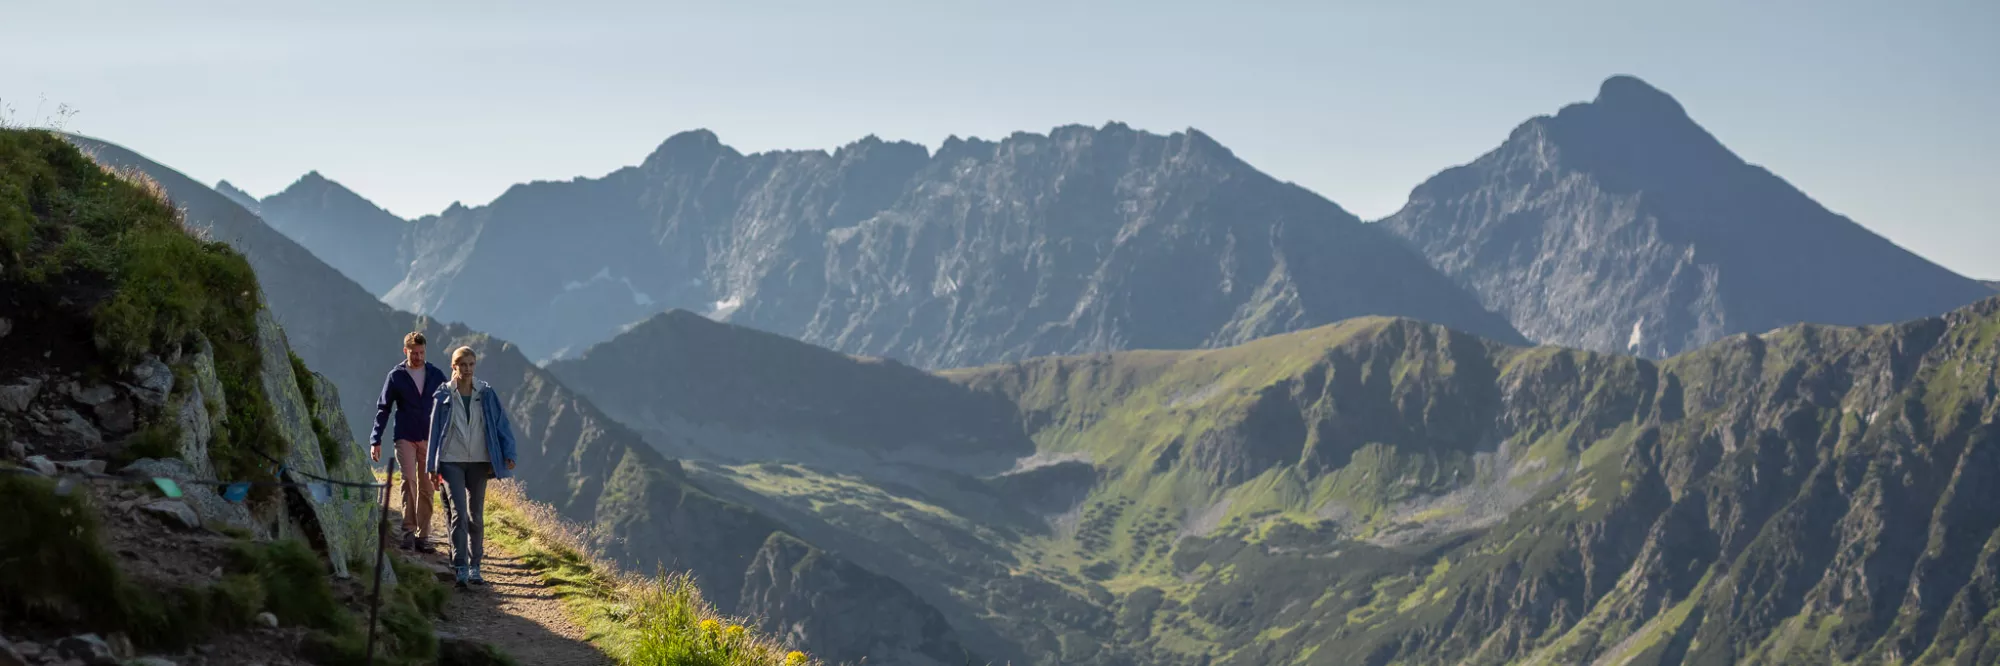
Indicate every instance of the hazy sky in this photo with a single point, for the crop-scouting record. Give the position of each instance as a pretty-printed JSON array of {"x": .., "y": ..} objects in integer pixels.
[{"x": 1885, "y": 112}]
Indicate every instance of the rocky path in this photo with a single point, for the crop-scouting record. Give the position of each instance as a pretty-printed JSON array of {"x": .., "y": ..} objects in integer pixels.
[{"x": 514, "y": 611}]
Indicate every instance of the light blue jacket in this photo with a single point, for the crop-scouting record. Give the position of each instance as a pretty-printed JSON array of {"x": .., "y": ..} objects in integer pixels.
[{"x": 499, "y": 434}]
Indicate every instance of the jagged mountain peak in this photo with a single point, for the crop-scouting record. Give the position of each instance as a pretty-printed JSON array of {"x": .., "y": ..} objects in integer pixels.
[
  {"x": 236, "y": 194},
  {"x": 1627, "y": 92},
  {"x": 1620, "y": 224},
  {"x": 689, "y": 147}
]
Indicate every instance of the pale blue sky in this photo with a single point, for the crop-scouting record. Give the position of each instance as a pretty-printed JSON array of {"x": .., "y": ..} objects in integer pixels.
[{"x": 1882, "y": 111}]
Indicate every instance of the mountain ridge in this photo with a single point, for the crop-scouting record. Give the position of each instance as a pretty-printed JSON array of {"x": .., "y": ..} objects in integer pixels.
[{"x": 1068, "y": 241}]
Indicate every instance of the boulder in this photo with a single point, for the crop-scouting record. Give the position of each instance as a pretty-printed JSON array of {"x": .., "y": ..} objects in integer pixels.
[
  {"x": 93, "y": 396},
  {"x": 72, "y": 428},
  {"x": 204, "y": 499},
  {"x": 267, "y": 620},
  {"x": 152, "y": 382},
  {"x": 15, "y": 397},
  {"x": 42, "y": 465},
  {"x": 173, "y": 512},
  {"x": 88, "y": 648},
  {"x": 116, "y": 415}
]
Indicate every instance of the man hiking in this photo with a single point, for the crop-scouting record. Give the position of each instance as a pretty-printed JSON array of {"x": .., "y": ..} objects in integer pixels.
[{"x": 408, "y": 392}]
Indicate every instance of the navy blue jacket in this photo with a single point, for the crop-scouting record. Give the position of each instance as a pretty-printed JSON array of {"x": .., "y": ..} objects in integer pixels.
[{"x": 411, "y": 402}]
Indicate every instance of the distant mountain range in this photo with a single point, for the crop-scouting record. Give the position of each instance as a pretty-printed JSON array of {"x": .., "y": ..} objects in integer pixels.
[
  {"x": 1614, "y": 225},
  {"x": 1621, "y": 225},
  {"x": 1081, "y": 240}
]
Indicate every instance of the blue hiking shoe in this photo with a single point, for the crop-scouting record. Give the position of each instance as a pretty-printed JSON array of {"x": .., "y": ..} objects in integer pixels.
[
  {"x": 475, "y": 578},
  {"x": 461, "y": 578}
]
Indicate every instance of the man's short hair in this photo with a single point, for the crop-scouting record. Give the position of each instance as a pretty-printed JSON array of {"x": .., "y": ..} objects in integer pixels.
[{"x": 414, "y": 339}]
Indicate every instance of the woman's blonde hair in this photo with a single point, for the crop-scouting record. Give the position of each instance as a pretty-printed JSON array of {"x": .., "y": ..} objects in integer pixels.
[{"x": 463, "y": 352}]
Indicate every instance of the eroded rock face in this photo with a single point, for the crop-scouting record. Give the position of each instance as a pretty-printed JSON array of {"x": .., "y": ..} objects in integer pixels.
[
  {"x": 335, "y": 522},
  {"x": 845, "y": 613}
]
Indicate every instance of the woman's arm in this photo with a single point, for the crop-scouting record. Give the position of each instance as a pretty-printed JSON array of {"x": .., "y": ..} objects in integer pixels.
[{"x": 502, "y": 427}]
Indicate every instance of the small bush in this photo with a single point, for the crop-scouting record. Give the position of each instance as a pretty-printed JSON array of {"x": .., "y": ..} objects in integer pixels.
[
  {"x": 161, "y": 440},
  {"x": 53, "y": 565},
  {"x": 294, "y": 582}
]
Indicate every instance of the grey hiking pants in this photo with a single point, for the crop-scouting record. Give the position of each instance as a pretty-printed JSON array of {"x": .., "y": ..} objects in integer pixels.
[{"x": 466, "y": 511}]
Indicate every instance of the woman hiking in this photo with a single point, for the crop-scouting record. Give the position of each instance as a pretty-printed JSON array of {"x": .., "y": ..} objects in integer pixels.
[{"x": 471, "y": 441}]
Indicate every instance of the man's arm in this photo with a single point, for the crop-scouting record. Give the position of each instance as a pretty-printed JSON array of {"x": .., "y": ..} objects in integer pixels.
[{"x": 382, "y": 405}]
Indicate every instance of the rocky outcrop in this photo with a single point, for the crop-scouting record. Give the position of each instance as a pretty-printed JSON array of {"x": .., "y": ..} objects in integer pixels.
[
  {"x": 1620, "y": 225},
  {"x": 845, "y": 612}
]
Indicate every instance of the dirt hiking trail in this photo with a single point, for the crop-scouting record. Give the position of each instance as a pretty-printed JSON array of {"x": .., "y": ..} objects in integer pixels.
[{"x": 514, "y": 611}]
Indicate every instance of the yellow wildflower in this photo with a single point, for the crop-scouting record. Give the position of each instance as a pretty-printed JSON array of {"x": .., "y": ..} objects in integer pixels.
[
  {"x": 735, "y": 632},
  {"x": 709, "y": 626},
  {"x": 795, "y": 658}
]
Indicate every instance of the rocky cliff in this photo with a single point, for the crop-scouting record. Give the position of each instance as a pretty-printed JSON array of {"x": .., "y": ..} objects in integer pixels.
[
  {"x": 1621, "y": 225},
  {"x": 1083, "y": 239}
]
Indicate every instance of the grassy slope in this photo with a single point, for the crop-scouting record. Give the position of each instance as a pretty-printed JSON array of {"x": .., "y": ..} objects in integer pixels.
[
  {"x": 662, "y": 620},
  {"x": 1396, "y": 491}
]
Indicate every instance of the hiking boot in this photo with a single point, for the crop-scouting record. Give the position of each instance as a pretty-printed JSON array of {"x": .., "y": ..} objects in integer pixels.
[
  {"x": 461, "y": 578},
  {"x": 425, "y": 546},
  {"x": 409, "y": 541},
  {"x": 475, "y": 578}
]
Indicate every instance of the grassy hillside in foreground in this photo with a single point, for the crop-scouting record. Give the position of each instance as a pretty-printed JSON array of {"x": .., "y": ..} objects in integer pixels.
[{"x": 640, "y": 621}]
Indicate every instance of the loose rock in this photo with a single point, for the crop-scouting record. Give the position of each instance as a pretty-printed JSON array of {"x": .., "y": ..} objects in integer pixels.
[
  {"x": 18, "y": 448},
  {"x": 95, "y": 395},
  {"x": 121, "y": 645},
  {"x": 87, "y": 648},
  {"x": 8, "y": 655},
  {"x": 173, "y": 512},
  {"x": 152, "y": 381},
  {"x": 29, "y": 649},
  {"x": 41, "y": 464},
  {"x": 116, "y": 415},
  {"x": 72, "y": 426},
  {"x": 83, "y": 466},
  {"x": 267, "y": 619},
  {"x": 16, "y": 397},
  {"x": 6, "y": 326}
]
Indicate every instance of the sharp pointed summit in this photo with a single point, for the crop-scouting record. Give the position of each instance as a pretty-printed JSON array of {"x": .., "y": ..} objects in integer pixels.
[
  {"x": 1622, "y": 225},
  {"x": 346, "y": 230}
]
